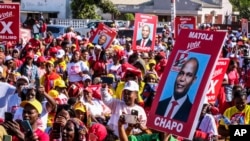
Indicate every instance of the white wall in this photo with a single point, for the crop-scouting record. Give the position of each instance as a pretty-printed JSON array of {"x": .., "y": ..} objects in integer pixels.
[{"x": 45, "y": 5}]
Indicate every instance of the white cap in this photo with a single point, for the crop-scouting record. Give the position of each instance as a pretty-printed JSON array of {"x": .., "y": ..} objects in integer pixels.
[
  {"x": 23, "y": 77},
  {"x": 131, "y": 86},
  {"x": 1, "y": 69},
  {"x": 98, "y": 47},
  {"x": 85, "y": 77},
  {"x": 7, "y": 58},
  {"x": 60, "y": 53},
  {"x": 79, "y": 37}
]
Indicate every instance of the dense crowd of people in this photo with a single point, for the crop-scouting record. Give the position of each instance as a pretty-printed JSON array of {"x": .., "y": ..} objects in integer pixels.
[{"x": 70, "y": 89}]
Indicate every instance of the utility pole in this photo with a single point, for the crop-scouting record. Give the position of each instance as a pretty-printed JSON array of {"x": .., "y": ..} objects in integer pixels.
[{"x": 173, "y": 15}]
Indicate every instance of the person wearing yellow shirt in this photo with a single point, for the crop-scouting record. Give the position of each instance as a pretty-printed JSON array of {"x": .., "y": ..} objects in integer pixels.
[
  {"x": 239, "y": 114},
  {"x": 48, "y": 79}
]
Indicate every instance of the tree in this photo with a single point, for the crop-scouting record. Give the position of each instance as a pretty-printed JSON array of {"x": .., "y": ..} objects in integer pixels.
[
  {"x": 129, "y": 17},
  {"x": 243, "y": 6},
  {"x": 86, "y": 9}
]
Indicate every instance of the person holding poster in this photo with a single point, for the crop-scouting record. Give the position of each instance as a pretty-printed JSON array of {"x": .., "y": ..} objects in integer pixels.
[
  {"x": 145, "y": 41},
  {"x": 178, "y": 106}
]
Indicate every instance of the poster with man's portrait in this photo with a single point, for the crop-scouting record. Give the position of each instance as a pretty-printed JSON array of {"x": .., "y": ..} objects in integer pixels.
[
  {"x": 103, "y": 36},
  {"x": 184, "y": 83},
  {"x": 144, "y": 32},
  {"x": 185, "y": 22}
]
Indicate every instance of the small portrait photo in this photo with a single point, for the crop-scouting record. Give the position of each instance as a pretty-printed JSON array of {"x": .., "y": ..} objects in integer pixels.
[
  {"x": 102, "y": 39},
  {"x": 144, "y": 34}
]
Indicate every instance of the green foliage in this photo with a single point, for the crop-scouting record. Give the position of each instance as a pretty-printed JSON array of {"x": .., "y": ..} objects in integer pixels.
[
  {"x": 129, "y": 17},
  {"x": 86, "y": 9},
  {"x": 243, "y": 6}
]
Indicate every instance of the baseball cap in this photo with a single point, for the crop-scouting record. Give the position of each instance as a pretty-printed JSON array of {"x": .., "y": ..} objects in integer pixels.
[
  {"x": 79, "y": 106},
  {"x": 23, "y": 78},
  {"x": 30, "y": 55},
  {"x": 35, "y": 103},
  {"x": 60, "y": 83},
  {"x": 8, "y": 58},
  {"x": 98, "y": 47},
  {"x": 60, "y": 53},
  {"x": 85, "y": 77},
  {"x": 53, "y": 93},
  {"x": 41, "y": 59},
  {"x": 131, "y": 86}
]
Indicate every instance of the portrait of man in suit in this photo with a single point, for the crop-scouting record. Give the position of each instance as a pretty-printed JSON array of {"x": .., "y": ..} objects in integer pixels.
[
  {"x": 178, "y": 106},
  {"x": 145, "y": 41},
  {"x": 101, "y": 40}
]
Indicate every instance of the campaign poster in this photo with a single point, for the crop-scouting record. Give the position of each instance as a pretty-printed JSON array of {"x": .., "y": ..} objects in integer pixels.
[
  {"x": 217, "y": 79},
  {"x": 103, "y": 36},
  {"x": 6, "y": 91},
  {"x": 9, "y": 22},
  {"x": 244, "y": 26},
  {"x": 25, "y": 34},
  {"x": 182, "y": 88},
  {"x": 187, "y": 22},
  {"x": 144, "y": 32}
]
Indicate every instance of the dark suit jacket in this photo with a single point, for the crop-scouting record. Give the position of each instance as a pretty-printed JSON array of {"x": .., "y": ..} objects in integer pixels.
[
  {"x": 181, "y": 115},
  {"x": 148, "y": 44}
]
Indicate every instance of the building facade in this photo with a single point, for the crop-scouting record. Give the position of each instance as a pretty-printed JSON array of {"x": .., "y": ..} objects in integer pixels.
[{"x": 205, "y": 11}]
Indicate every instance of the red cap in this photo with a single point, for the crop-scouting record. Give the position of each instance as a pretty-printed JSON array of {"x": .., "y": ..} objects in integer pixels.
[
  {"x": 30, "y": 55},
  {"x": 41, "y": 59},
  {"x": 53, "y": 50},
  {"x": 99, "y": 130}
]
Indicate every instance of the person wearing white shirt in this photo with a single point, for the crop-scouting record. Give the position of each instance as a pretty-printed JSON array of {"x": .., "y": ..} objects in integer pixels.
[
  {"x": 125, "y": 106},
  {"x": 76, "y": 68}
]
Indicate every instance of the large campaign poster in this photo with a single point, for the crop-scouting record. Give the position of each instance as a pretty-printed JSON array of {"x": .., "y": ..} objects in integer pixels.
[
  {"x": 217, "y": 79},
  {"x": 103, "y": 36},
  {"x": 9, "y": 22},
  {"x": 244, "y": 27},
  {"x": 186, "y": 22},
  {"x": 181, "y": 90},
  {"x": 144, "y": 32}
]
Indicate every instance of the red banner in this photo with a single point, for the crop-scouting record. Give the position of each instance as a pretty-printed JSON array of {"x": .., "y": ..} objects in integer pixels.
[
  {"x": 187, "y": 22},
  {"x": 144, "y": 32},
  {"x": 182, "y": 88},
  {"x": 217, "y": 79},
  {"x": 9, "y": 22},
  {"x": 103, "y": 36}
]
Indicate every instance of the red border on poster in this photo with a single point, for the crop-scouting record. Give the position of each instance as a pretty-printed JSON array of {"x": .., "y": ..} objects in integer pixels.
[
  {"x": 186, "y": 22},
  {"x": 142, "y": 20},
  {"x": 205, "y": 46},
  {"x": 102, "y": 29},
  {"x": 217, "y": 79},
  {"x": 9, "y": 22}
]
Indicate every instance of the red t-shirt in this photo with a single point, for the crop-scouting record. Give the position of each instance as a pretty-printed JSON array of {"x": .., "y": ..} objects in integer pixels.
[{"x": 42, "y": 136}]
